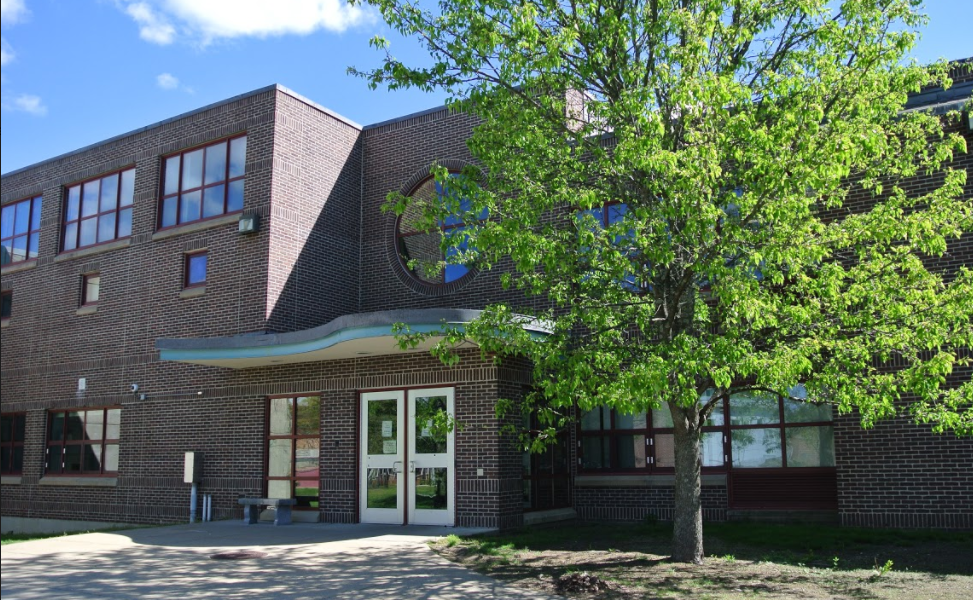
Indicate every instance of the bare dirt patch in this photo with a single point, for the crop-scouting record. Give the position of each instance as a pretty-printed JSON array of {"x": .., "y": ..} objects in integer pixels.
[{"x": 631, "y": 562}]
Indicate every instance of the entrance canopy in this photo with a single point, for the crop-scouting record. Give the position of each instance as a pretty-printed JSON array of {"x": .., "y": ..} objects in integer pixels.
[{"x": 350, "y": 336}]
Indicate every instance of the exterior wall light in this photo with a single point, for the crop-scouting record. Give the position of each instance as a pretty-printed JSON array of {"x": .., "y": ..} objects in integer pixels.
[{"x": 249, "y": 223}]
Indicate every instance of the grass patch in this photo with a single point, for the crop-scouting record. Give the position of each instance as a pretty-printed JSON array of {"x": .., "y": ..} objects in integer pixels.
[
  {"x": 16, "y": 538},
  {"x": 744, "y": 560}
]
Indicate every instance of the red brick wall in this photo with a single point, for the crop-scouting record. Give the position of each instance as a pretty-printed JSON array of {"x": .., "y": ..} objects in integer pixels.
[
  {"x": 315, "y": 221},
  {"x": 319, "y": 255},
  {"x": 900, "y": 474}
]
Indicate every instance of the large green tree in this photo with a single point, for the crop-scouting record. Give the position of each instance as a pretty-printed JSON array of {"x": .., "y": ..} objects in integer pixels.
[{"x": 734, "y": 132}]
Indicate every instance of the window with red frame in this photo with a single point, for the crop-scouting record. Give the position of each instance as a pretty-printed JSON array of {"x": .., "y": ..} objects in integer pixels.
[
  {"x": 761, "y": 432},
  {"x": 84, "y": 441},
  {"x": 768, "y": 432},
  {"x": 12, "y": 428},
  {"x": 195, "y": 270},
  {"x": 612, "y": 441},
  {"x": 99, "y": 210},
  {"x": 90, "y": 289},
  {"x": 294, "y": 449},
  {"x": 20, "y": 225},
  {"x": 203, "y": 183}
]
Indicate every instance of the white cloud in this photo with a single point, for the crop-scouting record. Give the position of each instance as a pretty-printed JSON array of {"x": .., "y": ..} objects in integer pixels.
[
  {"x": 6, "y": 53},
  {"x": 167, "y": 81},
  {"x": 12, "y": 11},
  {"x": 153, "y": 27},
  {"x": 215, "y": 19},
  {"x": 27, "y": 103}
]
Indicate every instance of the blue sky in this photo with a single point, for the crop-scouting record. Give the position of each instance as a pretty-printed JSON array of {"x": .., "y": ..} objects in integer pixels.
[{"x": 79, "y": 71}]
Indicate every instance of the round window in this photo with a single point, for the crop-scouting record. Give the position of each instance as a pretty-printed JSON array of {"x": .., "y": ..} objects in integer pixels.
[{"x": 419, "y": 242}]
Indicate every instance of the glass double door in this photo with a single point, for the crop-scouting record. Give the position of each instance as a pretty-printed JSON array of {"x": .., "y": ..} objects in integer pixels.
[{"x": 407, "y": 455}]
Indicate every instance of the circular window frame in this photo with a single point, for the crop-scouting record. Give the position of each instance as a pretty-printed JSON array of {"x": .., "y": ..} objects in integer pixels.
[{"x": 397, "y": 262}]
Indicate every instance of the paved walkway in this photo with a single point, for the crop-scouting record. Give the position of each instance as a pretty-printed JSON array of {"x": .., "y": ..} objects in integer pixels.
[{"x": 303, "y": 561}]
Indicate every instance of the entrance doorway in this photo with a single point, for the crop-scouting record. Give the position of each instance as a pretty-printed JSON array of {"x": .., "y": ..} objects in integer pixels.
[{"x": 407, "y": 457}]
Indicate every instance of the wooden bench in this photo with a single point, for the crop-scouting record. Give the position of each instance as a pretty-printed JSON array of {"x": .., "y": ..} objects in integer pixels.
[{"x": 253, "y": 506}]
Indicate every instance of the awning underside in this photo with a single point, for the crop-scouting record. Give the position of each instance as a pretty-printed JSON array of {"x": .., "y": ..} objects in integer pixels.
[{"x": 350, "y": 336}]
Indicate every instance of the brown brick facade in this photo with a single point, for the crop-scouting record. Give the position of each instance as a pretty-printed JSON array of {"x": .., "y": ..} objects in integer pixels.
[{"x": 324, "y": 249}]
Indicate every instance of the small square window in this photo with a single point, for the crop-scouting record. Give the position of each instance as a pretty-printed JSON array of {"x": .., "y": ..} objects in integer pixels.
[
  {"x": 195, "y": 270},
  {"x": 6, "y": 305},
  {"x": 90, "y": 289}
]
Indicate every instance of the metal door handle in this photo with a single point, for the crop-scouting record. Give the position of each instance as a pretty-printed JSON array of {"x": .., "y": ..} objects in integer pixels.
[
  {"x": 412, "y": 466},
  {"x": 399, "y": 468}
]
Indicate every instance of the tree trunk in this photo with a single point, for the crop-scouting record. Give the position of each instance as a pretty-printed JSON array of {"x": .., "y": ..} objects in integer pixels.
[{"x": 687, "y": 530}]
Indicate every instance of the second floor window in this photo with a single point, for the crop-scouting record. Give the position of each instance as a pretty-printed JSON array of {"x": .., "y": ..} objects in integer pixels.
[
  {"x": 203, "y": 183},
  {"x": 195, "y": 272},
  {"x": 20, "y": 225},
  {"x": 90, "y": 289},
  {"x": 99, "y": 210},
  {"x": 420, "y": 246}
]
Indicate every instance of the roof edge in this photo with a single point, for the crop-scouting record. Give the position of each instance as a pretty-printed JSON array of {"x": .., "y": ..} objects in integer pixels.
[
  {"x": 417, "y": 114},
  {"x": 269, "y": 88},
  {"x": 323, "y": 109}
]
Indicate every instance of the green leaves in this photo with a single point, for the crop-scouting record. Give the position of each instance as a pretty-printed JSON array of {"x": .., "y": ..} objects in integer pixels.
[{"x": 775, "y": 229}]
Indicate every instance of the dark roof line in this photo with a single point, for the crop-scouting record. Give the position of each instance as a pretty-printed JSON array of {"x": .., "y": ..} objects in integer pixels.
[{"x": 237, "y": 98}]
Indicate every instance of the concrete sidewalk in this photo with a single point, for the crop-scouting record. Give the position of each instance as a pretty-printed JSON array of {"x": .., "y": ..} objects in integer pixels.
[{"x": 302, "y": 561}]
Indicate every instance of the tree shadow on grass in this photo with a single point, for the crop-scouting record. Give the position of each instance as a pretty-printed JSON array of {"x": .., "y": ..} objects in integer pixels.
[{"x": 932, "y": 552}]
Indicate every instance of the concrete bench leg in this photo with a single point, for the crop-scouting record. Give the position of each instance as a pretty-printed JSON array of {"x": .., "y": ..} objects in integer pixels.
[
  {"x": 251, "y": 514},
  {"x": 282, "y": 515}
]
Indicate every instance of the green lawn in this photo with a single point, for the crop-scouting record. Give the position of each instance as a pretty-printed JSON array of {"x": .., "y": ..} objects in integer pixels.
[
  {"x": 744, "y": 560},
  {"x": 13, "y": 538}
]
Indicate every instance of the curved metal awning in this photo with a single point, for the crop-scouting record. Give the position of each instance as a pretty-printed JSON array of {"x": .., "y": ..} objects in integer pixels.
[{"x": 349, "y": 336}]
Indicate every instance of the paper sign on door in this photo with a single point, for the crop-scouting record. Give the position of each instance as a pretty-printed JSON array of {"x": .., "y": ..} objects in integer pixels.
[{"x": 386, "y": 429}]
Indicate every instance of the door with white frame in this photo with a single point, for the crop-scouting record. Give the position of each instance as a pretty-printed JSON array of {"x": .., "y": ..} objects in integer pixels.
[{"x": 407, "y": 457}]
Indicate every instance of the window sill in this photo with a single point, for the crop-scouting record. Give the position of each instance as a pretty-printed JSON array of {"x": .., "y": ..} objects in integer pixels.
[
  {"x": 86, "y": 310},
  {"x": 195, "y": 292},
  {"x": 641, "y": 481},
  {"x": 100, "y": 248},
  {"x": 196, "y": 226},
  {"x": 4, "y": 323},
  {"x": 18, "y": 267},
  {"x": 59, "y": 481},
  {"x": 11, "y": 480}
]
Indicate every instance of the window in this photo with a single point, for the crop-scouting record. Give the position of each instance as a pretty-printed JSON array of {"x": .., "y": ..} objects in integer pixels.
[
  {"x": 293, "y": 450},
  {"x": 83, "y": 442},
  {"x": 604, "y": 217},
  {"x": 195, "y": 272},
  {"x": 6, "y": 305},
  {"x": 203, "y": 183},
  {"x": 547, "y": 475},
  {"x": 99, "y": 210},
  {"x": 420, "y": 246},
  {"x": 766, "y": 432},
  {"x": 612, "y": 441},
  {"x": 90, "y": 289},
  {"x": 12, "y": 427},
  {"x": 20, "y": 224}
]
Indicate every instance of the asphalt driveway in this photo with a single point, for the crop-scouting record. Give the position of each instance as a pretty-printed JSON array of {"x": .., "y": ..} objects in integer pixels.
[{"x": 300, "y": 561}]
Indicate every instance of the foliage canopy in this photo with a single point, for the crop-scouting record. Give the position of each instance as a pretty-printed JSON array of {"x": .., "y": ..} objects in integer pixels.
[{"x": 764, "y": 229}]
